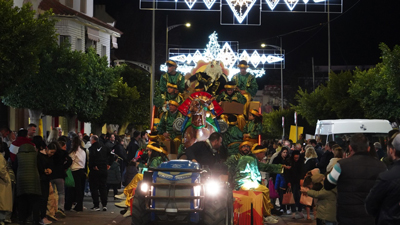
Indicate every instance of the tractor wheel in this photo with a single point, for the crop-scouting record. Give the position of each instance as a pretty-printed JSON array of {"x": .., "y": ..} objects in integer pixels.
[
  {"x": 139, "y": 214},
  {"x": 218, "y": 210}
]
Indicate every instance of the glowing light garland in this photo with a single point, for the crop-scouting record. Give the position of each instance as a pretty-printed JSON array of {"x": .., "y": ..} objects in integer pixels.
[
  {"x": 241, "y": 4},
  {"x": 186, "y": 62},
  {"x": 190, "y": 3},
  {"x": 272, "y": 3},
  {"x": 209, "y": 3},
  {"x": 291, "y": 4}
]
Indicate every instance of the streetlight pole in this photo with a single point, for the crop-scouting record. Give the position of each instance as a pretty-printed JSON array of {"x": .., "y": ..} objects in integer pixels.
[
  {"x": 280, "y": 49},
  {"x": 166, "y": 38},
  {"x": 153, "y": 59}
]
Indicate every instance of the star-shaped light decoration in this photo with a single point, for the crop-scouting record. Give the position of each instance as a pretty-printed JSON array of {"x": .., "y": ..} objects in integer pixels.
[
  {"x": 190, "y": 3},
  {"x": 274, "y": 59},
  {"x": 240, "y": 8},
  {"x": 291, "y": 3},
  {"x": 227, "y": 56},
  {"x": 209, "y": 3},
  {"x": 197, "y": 56},
  {"x": 272, "y": 3}
]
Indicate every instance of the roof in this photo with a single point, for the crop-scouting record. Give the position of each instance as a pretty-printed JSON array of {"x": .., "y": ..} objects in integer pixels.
[
  {"x": 62, "y": 10},
  {"x": 346, "y": 126}
]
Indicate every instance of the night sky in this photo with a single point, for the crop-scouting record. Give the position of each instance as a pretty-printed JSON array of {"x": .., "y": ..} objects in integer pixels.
[{"x": 355, "y": 34}]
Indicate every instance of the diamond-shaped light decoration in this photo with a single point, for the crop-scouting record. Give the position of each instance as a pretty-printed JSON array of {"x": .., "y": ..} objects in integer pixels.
[
  {"x": 274, "y": 59},
  {"x": 197, "y": 56},
  {"x": 263, "y": 59},
  {"x": 227, "y": 55},
  {"x": 255, "y": 59},
  {"x": 291, "y": 3},
  {"x": 179, "y": 58},
  {"x": 272, "y": 3},
  {"x": 244, "y": 56},
  {"x": 240, "y": 8},
  {"x": 305, "y": 1},
  {"x": 209, "y": 3},
  {"x": 190, "y": 3}
]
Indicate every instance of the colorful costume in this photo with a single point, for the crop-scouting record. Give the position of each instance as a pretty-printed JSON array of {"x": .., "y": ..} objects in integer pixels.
[
  {"x": 245, "y": 169},
  {"x": 246, "y": 83},
  {"x": 176, "y": 81},
  {"x": 166, "y": 123},
  {"x": 236, "y": 97},
  {"x": 232, "y": 139},
  {"x": 254, "y": 129}
]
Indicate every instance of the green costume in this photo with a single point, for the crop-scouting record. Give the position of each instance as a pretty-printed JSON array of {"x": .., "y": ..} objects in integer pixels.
[
  {"x": 156, "y": 161},
  {"x": 177, "y": 79},
  {"x": 231, "y": 139},
  {"x": 246, "y": 168},
  {"x": 236, "y": 96},
  {"x": 252, "y": 128},
  {"x": 166, "y": 123},
  {"x": 246, "y": 82}
]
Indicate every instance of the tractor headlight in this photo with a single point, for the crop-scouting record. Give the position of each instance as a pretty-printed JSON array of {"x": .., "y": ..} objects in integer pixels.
[
  {"x": 144, "y": 187},
  {"x": 213, "y": 187}
]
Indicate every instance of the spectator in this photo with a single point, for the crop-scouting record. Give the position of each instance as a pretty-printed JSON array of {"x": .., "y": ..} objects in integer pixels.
[
  {"x": 383, "y": 200},
  {"x": 120, "y": 151},
  {"x": 22, "y": 138},
  {"x": 311, "y": 160},
  {"x": 293, "y": 176},
  {"x": 61, "y": 162},
  {"x": 337, "y": 155},
  {"x": 31, "y": 130},
  {"x": 133, "y": 146},
  {"x": 326, "y": 157},
  {"x": 28, "y": 184},
  {"x": 354, "y": 177},
  {"x": 326, "y": 204},
  {"x": 280, "y": 182},
  {"x": 114, "y": 177},
  {"x": 6, "y": 201},
  {"x": 78, "y": 168},
  {"x": 100, "y": 159},
  {"x": 45, "y": 168},
  {"x": 110, "y": 141},
  {"x": 379, "y": 150}
]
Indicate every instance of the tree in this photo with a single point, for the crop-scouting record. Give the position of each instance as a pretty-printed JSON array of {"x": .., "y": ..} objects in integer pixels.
[
  {"x": 52, "y": 89},
  {"x": 121, "y": 104},
  {"x": 377, "y": 89},
  {"x": 22, "y": 40},
  {"x": 141, "y": 80},
  {"x": 272, "y": 122}
]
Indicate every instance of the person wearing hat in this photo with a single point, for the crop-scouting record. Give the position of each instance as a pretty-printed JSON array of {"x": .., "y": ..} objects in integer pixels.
[
  {"x": 165, "y": 128},
  {"x": 244, "y": 171},
  {"x": 382, "y": 201},
  {"x": 246, "y": 83},
  {"x": 172, "y": 94},
  {"x": 172, "y": 78},
  {"x": 230, "y": 94},
  {"x": 232, "y": 137},
  {"x": 253, "y": 127}
]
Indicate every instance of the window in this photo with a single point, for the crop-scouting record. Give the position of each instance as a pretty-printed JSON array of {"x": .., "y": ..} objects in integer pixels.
[
  {"x": 69, "y": 3},
  {"x": 78, "y": 45},
  {"x": 103, "y": 50},
  {"x": 83, "y": 6},
  {"x": 65, "y": 38}
]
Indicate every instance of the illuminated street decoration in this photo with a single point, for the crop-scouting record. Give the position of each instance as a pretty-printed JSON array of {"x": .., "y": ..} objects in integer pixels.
[
  {"x": 241, "y": 8},
  {"x": 237, "y": 12},
  {"x": 209, "y": 3},
  {"x": 272, "y": 3},
  {"x": 291, "y": 4},
  {"x": 190, "y": 3},
  {"x": 260, "y": 59}
]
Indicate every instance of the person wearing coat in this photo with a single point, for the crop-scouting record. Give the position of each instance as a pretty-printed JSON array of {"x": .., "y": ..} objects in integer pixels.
[
  {"x": 326, "y": 205},
  {"x": 114, "y": 177},
  {"x": 6, "y": 201},
  {"x": 28, "y": 184}
]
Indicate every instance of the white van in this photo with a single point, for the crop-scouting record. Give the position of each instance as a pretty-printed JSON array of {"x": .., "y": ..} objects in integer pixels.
[{"x": 331, "y": 130}]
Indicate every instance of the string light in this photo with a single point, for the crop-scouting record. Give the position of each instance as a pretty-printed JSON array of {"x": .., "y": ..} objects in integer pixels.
[
  {"x": 186, "y": 62},
  {"x": 239, "y": 13},
  {"x": 291, "y": 3},
  {"x": 209, "y": 3},
  {"x": 190, "y": 3},
  {"x": 272, "y": 3},
  {"x": 317, "y": 1}
]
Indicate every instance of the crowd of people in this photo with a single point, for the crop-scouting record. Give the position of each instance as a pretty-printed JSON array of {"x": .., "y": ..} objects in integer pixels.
[{"x": 42, "y": 178}]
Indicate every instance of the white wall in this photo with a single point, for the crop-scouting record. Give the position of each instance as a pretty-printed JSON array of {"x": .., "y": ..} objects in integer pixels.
[{"x": 72, "y": 29}]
